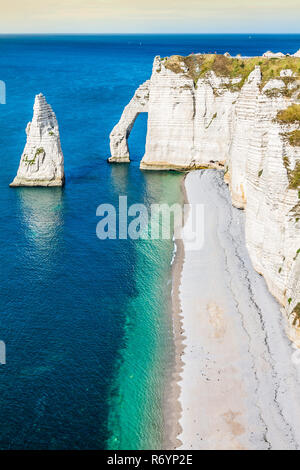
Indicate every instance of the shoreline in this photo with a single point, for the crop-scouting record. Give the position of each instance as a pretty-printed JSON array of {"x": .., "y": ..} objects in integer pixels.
[{"x": 173, "y": 409}]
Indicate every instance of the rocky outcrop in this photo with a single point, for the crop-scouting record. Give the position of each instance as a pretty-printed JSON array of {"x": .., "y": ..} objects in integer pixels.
[
  {"x": 273, "y": 55},
  {"x": 42, "y": 162},
  {"x": 210, "y": 120}
]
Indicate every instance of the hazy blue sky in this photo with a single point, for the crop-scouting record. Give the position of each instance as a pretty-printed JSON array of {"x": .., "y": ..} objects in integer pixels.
[{"x": 182, "y": 16}]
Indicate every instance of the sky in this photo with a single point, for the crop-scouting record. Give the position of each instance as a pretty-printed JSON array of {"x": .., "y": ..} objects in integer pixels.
[{"x": 151, "y": 16}]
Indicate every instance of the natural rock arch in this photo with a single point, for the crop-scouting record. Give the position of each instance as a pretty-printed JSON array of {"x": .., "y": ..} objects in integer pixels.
[{"x": 120, "y": 133}]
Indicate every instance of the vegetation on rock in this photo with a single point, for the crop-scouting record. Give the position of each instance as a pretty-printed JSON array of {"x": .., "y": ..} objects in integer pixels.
[
  {"x": 293, "y": 175},
  {"x": 199, "y": 64},
  {"x": 214, "y": 117},
  {"x": 296, "y": 313},
  {"x": 294, "y": 138},
  {"x": 32, "y": 161},
  {"x": 289, "y": 115}
]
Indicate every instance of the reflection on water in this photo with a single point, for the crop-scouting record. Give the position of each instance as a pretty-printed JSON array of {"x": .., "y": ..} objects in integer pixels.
[
  {"x": 160, "y": 186},
  {"x": 119, "y": 177},
  {"x": 42, "y": 215}
]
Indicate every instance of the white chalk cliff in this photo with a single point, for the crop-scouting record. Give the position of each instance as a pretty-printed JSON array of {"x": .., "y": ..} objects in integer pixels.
[
  {"x": 231, "y": 124},
  {"x": 42, "y": 162}
]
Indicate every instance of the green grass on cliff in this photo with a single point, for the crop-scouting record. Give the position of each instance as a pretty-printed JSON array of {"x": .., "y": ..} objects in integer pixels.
[
  {"x": 294, "y": 138},
  {"x": 293, "y": 175},
  {"x": 296, "y": 313},
  {"x": 289, "y": 115},
  {"x": 198, "y": 65}
]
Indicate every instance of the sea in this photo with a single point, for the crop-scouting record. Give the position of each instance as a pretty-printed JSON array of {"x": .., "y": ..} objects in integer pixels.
[{"x": 87, "y": 323}]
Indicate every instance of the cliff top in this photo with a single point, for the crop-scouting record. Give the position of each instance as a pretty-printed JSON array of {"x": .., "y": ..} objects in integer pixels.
[{"x": 197, "y": 66}]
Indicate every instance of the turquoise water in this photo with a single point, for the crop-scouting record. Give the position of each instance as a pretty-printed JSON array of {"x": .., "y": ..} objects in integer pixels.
[
  {"x": 144, "y": 365},
  {"x": 86, "y": 322}
]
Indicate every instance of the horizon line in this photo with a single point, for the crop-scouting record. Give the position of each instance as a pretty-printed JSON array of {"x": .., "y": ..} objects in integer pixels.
[{"x": 146, "y": 34}]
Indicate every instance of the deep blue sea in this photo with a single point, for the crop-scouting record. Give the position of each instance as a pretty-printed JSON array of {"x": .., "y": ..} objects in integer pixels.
[{"x": 87, "y": 323}]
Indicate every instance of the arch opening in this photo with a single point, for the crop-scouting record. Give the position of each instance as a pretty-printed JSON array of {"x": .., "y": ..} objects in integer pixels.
[
  {"x": 120, "y": 134},
  {"x": 136, "y": 139}
]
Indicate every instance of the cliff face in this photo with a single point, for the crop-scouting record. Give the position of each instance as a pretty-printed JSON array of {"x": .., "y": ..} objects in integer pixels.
[
  {"x": 42, "y": 162},
  {"x": 188, "y": 127},
  {"x": 232, "y": 122}
]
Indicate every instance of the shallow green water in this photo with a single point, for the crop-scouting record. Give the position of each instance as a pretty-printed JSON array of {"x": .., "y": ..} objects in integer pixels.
[{"x": 136, "y": 418}]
